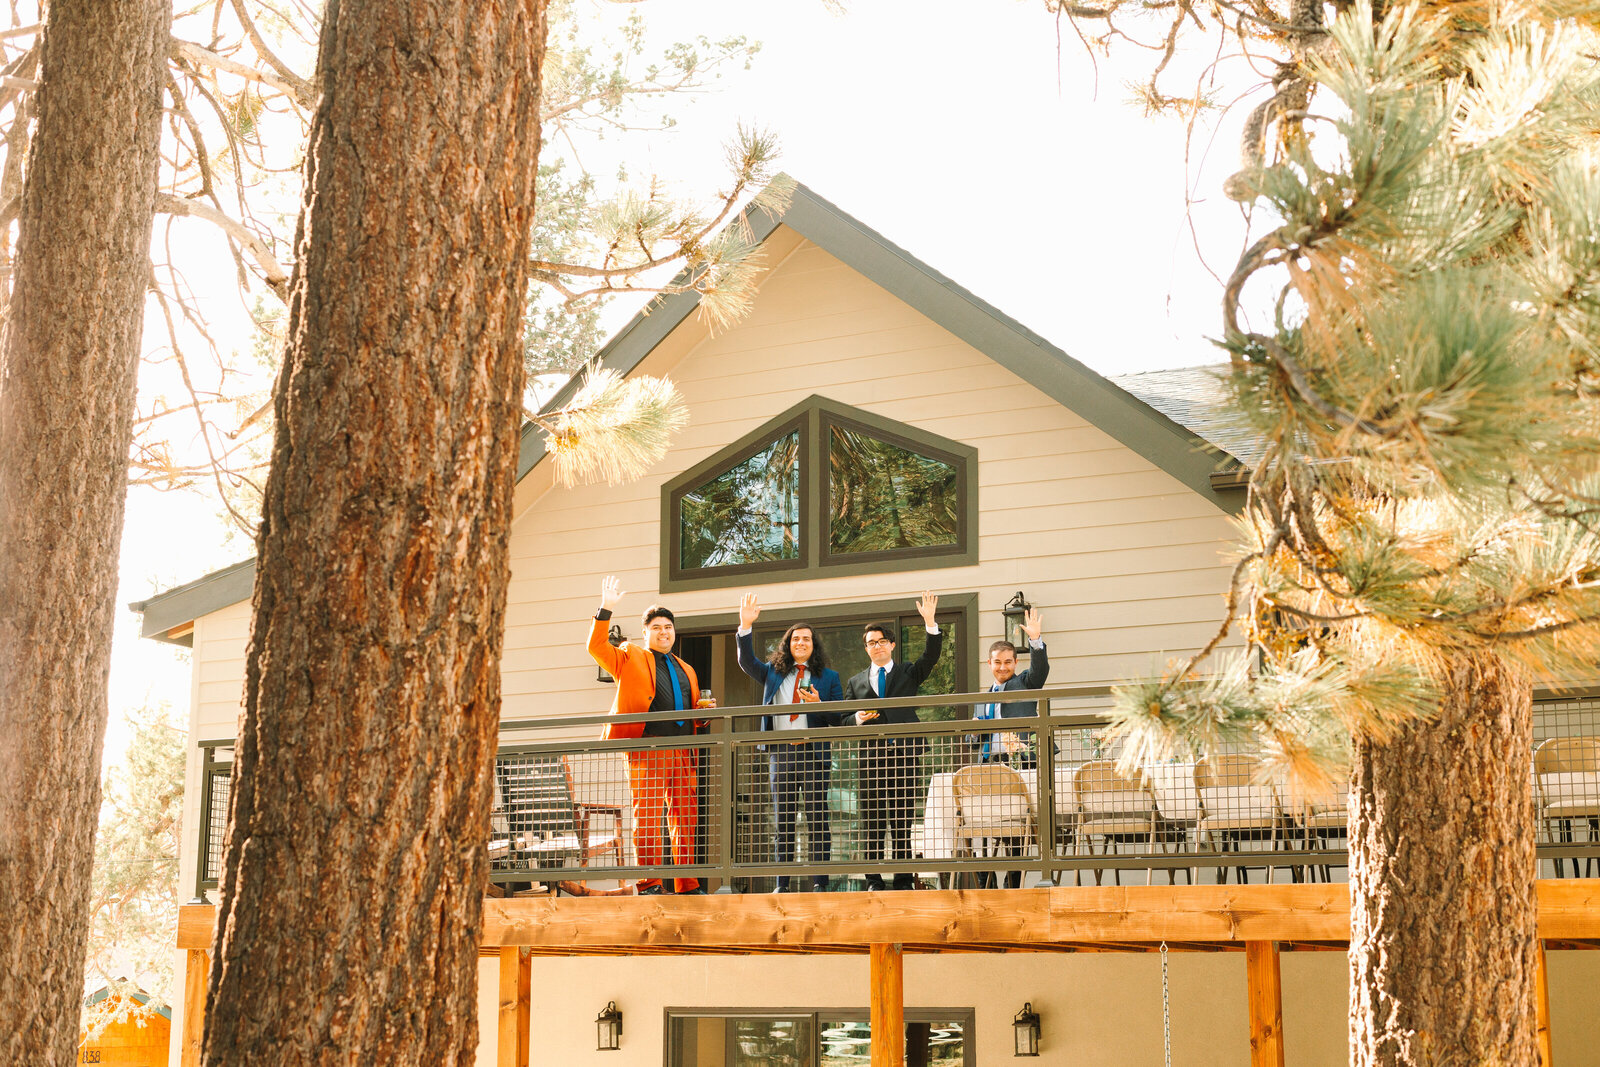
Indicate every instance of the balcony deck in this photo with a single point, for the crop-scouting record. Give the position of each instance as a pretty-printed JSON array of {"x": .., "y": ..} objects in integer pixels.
[
  {"x": 1259, "y": 920},
  {"x": 563, "y": 819}
]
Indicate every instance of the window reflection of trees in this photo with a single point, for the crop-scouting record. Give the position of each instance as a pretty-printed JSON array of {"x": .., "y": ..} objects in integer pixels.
[
  {"x": 750, "y": 513},
  {"x": 847, "y": 1042},
  {"x": 883, "y": 497}
]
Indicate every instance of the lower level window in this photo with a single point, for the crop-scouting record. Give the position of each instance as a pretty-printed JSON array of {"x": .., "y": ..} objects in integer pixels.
[{"x": 824, "y": 1038}]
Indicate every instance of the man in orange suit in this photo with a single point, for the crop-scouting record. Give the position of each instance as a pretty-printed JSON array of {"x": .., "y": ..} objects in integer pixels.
[{"x": 650, "y": 678}]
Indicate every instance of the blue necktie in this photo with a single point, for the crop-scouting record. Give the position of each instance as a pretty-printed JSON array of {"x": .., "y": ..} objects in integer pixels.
[
  {"x": 883, "y": 672},
  {"x": 677, "y": 687}
]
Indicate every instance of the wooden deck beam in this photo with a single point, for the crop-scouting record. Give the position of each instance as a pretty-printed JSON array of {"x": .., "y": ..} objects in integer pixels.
[
  {"x": 195, "y": 977},
  {"x": 1265, "y": 983},
  {"x": 1541, "y": 1005},
  {"x": 1088, "y": 918},
  {"x": 888, "y": 1006}
]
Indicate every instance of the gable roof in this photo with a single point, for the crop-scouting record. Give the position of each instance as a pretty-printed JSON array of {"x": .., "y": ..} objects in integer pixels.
[
  {"x": 1131, "y": 419},
  {"x": 1194, "y": 397}
]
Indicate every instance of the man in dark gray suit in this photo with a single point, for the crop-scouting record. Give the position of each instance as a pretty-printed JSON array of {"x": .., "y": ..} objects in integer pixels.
[
  {"x": 1010, "y": 747},
  {"x": 1003, "y": 666},
  {"x": 889, "y": 764}
]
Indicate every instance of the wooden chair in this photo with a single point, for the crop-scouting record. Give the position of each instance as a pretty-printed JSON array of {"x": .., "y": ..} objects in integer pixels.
[
  {"x": 538, "y": 826},
  {"x": 992, "y": 804},
  {"x": 1567, "y": 770},
  {"x": 1114, "y": 807},
  {"x": 1235, "y": 804},
  {"x": 1322, "y": 817}
]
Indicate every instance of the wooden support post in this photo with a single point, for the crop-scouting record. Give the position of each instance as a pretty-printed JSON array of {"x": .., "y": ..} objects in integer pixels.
[
  {"x": 888, "y": 1006},
  {"x": 524, "y": 1005},
  {"x": 510, "y": 1043},
  {"x": 195, "y": 976},
  {"x": 1266, "y": 1003},
  {"x": 1541, "y": 1003}
]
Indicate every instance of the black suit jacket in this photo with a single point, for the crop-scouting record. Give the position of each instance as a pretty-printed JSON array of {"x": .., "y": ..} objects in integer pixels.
[{"x": 904, "y": 681}]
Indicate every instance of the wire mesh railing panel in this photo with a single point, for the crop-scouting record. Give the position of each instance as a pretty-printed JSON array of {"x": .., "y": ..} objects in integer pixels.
[
  {"x": 593, "y": 815},
  {"x": 1566, "y": 785},
  {"x": 218, "y": 791},
  {"x": 949, "y": 801}
]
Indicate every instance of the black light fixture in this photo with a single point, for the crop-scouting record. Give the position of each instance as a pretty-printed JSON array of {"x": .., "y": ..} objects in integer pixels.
[
  {"x": 1016, "y": 613},
  {"x": 608, "y": 1025},
  {"x": 1026, "y": 1029},
  {"x": 615, "y": 637}
]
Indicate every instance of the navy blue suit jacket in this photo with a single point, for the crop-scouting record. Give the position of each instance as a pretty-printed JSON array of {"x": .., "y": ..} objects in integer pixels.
[{"x": 825, "y": 681}]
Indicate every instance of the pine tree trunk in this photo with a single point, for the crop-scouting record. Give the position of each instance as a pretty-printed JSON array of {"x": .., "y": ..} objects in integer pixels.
[
  {"x": 355, "y": 865},
  {"x": 67, "y": 367},
  {"x": 1442, "y": 863}
]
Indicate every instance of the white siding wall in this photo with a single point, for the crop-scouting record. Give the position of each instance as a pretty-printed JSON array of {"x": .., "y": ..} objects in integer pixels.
[{"x": 1124, "y": 561}]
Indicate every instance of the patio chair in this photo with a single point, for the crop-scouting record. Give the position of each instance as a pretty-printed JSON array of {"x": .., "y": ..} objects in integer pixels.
[
  {"x": 1320, "y": 818},
  {"x": 1567, "y": 770},
  {"x": 1114, "y": 807},
  {"x": 538, "y": 826},
  {"x": 1234, "y": 806},
  {"x": 992, "y": 805}
]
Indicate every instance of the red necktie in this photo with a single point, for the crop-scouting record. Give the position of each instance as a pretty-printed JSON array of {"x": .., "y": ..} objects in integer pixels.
[{"x": 799, "y": 680}]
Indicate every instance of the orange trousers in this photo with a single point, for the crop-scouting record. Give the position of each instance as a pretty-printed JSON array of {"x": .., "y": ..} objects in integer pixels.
[{"x": 664, "y": 777}]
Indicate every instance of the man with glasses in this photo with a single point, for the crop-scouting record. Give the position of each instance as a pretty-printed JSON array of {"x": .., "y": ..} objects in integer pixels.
[{"x": 889, "y": 764}]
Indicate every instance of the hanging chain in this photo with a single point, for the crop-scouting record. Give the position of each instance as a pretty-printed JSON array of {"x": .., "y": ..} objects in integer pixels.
[{"x": 1166, "y": 1011}]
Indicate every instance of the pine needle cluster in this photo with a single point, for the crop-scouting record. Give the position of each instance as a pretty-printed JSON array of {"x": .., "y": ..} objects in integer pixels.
[
  {"x": 1424, "y": 384},
  {"x": 614, "y": 429}
]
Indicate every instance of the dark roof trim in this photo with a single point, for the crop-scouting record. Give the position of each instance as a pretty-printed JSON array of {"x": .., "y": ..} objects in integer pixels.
[
  {"x": 1120, "y": 414},
  {"x": 1172, "y": 447},
  {"x": 164, "y": 611}
]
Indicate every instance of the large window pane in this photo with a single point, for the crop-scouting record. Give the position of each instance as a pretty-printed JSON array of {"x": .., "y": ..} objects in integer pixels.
[
  {"x": 749, "y": 513},
  {"x": 715, "y": 1041},
  {"x": 848, "y": 1042},
  {"x": 883, "y": 497}
]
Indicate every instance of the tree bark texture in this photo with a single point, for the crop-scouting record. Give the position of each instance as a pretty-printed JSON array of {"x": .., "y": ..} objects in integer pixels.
[
  {"x": 1442, "y": 865},
  {"x": 68, "y": 361},
  {"x": 356, "y": 860}
]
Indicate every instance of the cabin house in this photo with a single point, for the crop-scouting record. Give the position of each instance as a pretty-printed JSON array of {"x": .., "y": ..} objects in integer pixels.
[{"x": 872, "y": 430}]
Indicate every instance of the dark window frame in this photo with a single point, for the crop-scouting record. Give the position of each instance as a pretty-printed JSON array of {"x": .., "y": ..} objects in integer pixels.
[
  {"x": 968, "y": 1017},
  {"x": 832, "y": 560},
  {"x": 739, "y": 452},
  {"x": 814, "y": 418}
]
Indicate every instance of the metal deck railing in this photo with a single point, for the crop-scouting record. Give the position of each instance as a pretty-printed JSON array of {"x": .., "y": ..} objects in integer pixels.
[{"x": 949, "y": 801}]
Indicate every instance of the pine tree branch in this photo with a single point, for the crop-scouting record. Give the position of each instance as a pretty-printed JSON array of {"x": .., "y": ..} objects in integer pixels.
[
  {"x": 273, "y": 272},
  {"x": 195, "y": 53},
  {"x": 302, "y": 91}
]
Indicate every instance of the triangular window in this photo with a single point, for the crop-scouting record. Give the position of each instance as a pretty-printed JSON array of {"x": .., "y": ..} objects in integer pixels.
[{"x": 822, "y": 490}]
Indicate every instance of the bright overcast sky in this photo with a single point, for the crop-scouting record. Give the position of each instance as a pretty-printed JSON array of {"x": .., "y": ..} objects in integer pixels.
[{"x": 957, "y": 130}]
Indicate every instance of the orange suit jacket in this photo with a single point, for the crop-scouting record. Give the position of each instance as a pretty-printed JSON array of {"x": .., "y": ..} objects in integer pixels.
[{"x": 634, "y": 669}]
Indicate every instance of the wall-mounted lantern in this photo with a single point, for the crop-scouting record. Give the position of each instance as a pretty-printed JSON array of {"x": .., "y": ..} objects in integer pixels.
[
  {"x": 608, "y": 1026},
  {"x": 1026, "y": 1029},
  {"x": 1016, "y": 613}
]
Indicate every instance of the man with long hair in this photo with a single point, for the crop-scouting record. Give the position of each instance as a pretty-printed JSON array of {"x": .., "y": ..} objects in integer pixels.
[{"x": 795, "y": 674}]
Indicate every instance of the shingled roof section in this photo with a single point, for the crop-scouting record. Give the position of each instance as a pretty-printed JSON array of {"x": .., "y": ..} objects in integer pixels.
[{"x": 1193, "y": 397}]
